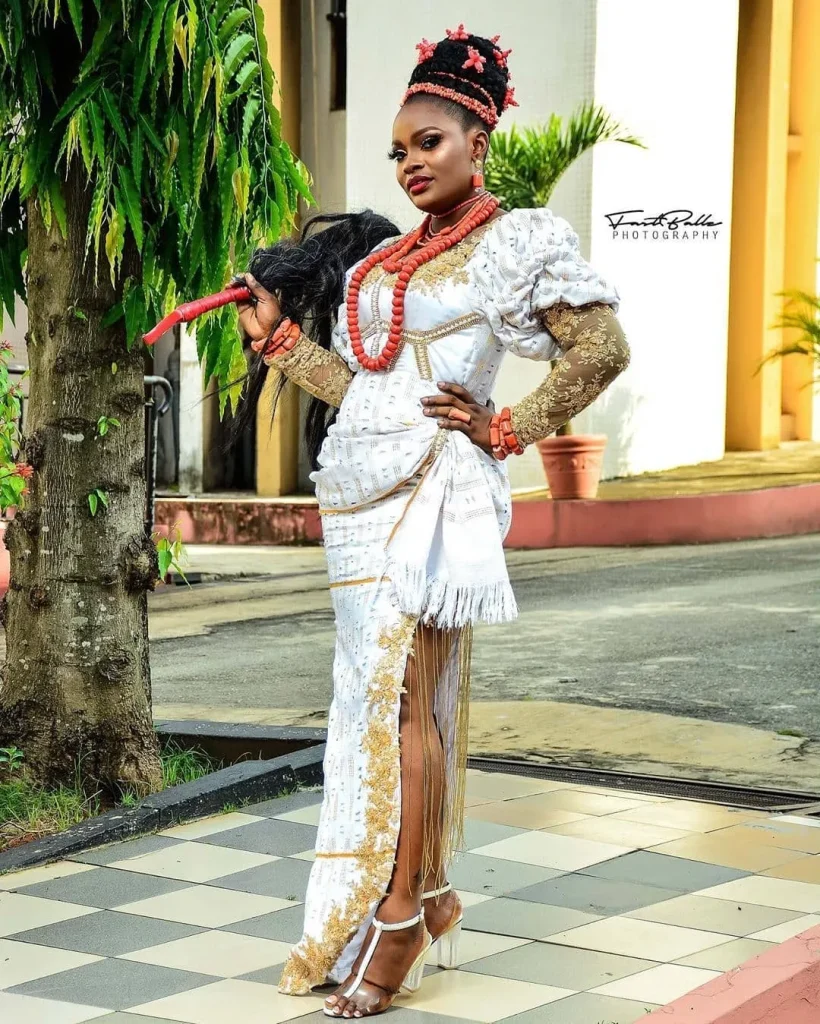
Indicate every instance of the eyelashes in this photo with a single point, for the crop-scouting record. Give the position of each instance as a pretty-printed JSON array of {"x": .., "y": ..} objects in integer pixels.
[{"x": 428, "y": 143}]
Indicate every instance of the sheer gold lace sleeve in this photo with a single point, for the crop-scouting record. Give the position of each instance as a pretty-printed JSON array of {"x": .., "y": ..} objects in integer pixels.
[
  {"x": 595, "y": 351},
  {"x": 319, "y": 372}
]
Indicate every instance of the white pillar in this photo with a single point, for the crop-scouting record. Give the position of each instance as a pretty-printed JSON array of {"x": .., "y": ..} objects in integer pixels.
[{"x": 190, "y": 413}]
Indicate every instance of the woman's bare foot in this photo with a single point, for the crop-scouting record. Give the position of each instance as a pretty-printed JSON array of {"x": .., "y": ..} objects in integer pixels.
[{"x": 395, "y": 954}]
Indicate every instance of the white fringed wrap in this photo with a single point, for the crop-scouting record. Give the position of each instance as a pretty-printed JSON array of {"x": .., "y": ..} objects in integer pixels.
[{"x": 445, "y": 559}]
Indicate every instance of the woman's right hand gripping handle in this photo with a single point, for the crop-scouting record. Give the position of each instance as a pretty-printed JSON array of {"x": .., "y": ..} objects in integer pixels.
[
  {"x": 321, "y": 373},
  {"x": 258, "y": 315}
]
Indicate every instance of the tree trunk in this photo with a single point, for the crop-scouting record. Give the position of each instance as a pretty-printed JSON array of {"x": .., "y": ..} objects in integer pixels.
[{"x": 76, "y": 685}]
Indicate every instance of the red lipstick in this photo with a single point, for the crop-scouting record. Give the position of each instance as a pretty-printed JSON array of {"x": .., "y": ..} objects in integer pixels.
[{"x": 418, "y": 183}]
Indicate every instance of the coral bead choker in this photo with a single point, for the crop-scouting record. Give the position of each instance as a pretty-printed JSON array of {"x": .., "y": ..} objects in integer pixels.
[
  {"x": 400, "y": 258},
  {"x": 473, "y": 202},
  {"x": 460, "y": 206}
]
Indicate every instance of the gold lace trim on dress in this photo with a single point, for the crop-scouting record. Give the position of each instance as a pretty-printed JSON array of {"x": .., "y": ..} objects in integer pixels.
[
  {"x": 311, "y": 961},
  {"x": 421, "y": 339},
  {"x": 319, "y": 372},
  {"x": 595, "y": 351},
  {"x": 451, "y": 265}
]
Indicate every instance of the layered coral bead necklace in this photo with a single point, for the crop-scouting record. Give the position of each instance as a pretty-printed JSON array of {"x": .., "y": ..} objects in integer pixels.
[{"x": 402, "y": 259}]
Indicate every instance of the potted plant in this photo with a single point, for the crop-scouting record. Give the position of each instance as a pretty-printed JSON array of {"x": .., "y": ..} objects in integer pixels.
[
  {"x": 523, "y": 167},
  {"x": 14, "y": 473}
]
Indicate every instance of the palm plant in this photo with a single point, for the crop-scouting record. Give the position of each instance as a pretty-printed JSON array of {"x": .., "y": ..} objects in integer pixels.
[
  {"x": 140, "y": 159},
  {"x": 524, "y": 165},
  {"x": 803, "y": 315}
]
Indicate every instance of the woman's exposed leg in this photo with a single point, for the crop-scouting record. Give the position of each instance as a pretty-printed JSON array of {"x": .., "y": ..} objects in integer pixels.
[
  {"x": 442, "y": 910},
  {"x": 422, "y": 792}
]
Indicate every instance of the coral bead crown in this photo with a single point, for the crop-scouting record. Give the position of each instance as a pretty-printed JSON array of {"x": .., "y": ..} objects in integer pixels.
[{"x": 454, "y": 69}]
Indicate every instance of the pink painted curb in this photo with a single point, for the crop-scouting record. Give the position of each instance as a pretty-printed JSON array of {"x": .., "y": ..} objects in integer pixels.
[
  {"x": 692, "y": 519},
  {"x": 781, "y": 986},
  {"x": 240, "y": 521}
]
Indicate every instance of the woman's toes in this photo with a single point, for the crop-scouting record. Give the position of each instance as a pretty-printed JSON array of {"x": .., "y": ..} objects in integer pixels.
[{"x": 336, "y": 1004}]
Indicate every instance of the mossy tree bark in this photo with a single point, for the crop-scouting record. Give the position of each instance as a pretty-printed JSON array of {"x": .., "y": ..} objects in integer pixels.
[{"x": 76, "y": 683}]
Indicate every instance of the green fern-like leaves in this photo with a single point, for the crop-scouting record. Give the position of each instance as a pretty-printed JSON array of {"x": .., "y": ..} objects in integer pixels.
[
  {"x": 801, "y": 315},
  {"x": 169, "y": 107},
  {"x": 524, "y": 165}
]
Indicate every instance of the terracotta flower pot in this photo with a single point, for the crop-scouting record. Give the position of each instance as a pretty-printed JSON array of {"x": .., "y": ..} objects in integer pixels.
[{"x": 573, "y": 464}]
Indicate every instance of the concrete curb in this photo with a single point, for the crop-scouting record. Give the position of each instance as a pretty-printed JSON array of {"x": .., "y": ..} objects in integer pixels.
[
  {"x": 232, "y": 741},
  {"x": 781, "y": 986},
  {"x": 537, "y": 523},
  {"x": 247, "y": 780}
]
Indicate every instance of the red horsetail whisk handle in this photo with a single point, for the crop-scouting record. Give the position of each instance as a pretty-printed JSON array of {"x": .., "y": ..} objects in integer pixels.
[{"x": 191, "y": 310}]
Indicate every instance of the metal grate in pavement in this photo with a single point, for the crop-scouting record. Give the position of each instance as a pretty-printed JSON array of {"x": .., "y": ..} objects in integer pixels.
[{"x": 689, "y": 789}]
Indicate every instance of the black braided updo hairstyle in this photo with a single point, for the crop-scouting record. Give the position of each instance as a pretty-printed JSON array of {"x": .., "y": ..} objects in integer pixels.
[{"x": 442, "y": 64}]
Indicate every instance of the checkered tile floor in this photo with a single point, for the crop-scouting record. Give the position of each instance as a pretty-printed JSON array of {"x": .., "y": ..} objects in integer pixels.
[{"x": 582, "y": 906}]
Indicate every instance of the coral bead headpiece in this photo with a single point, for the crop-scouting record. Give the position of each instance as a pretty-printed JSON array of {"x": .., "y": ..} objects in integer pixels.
[{"x": 456, "y": 69}]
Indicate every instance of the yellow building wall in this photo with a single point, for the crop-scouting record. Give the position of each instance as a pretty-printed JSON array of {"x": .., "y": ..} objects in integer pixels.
[
  {"x": 802, "y": 205},
  {"x": 277, "y": 449},
  {"x": 753, "y": 397}
]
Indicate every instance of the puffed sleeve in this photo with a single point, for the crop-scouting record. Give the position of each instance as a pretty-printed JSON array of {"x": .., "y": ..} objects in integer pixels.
[{"x": 528, "y": 261}]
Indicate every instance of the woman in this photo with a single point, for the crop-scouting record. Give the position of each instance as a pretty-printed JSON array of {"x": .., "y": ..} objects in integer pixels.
[{"x": 415, "y": 502}]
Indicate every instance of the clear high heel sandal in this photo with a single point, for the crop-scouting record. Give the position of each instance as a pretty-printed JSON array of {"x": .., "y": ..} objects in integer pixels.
[
  {"x": 412, "y": 979},
  {"x": 446, "y": 945}
]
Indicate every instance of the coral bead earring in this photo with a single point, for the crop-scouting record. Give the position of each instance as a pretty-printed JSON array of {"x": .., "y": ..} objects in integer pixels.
[{"x": 478, "y": 178}]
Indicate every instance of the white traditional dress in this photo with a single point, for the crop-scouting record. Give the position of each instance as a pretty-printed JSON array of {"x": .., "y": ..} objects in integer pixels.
[{"x": 414, "y": 518}]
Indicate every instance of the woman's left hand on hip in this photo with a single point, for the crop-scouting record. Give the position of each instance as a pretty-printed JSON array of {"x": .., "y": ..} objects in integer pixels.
[{"x": 456, "y": 409}]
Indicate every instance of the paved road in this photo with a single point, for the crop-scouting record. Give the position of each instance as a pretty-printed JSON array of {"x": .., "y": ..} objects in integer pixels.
[{"x": 727, "y": 632}]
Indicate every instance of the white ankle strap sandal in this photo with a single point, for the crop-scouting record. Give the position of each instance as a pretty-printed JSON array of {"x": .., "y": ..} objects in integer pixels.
[
  {"x": 437, "y": 892},
  {"x": 412, "y": 979},
  {"x": 447, "y": 943}
]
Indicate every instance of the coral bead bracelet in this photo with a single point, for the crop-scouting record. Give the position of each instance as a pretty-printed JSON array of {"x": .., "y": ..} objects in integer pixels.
[
  {"x": 283, "y": 339},
  {"x": 502, "y": 436}
]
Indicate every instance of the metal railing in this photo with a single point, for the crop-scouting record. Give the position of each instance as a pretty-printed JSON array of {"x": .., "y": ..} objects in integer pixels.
[{"x": 152, "y": 415}]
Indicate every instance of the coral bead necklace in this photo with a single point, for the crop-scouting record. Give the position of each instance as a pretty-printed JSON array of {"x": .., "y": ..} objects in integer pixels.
[
  {"x": 473, "y": 202},
  {"x": 400, "y": 258}
]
